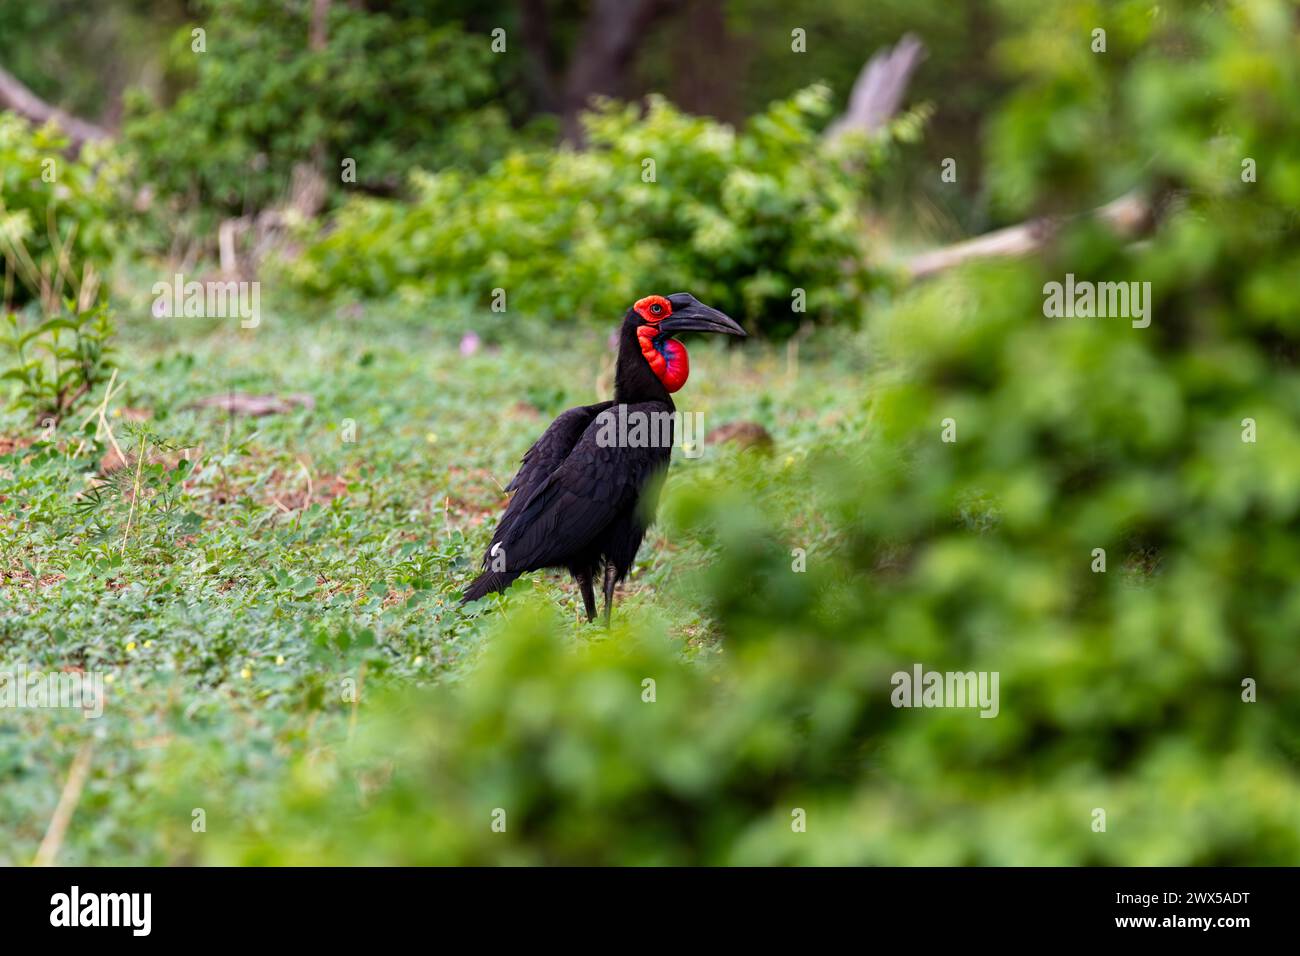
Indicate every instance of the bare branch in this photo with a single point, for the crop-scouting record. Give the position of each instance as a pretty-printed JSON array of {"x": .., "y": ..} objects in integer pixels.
[
  {"x": 1129, "y": 215},
  {"x": 16, "y": 97}
]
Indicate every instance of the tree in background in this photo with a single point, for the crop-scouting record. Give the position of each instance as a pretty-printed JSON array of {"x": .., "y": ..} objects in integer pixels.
[{"x": 332, "y": 85}]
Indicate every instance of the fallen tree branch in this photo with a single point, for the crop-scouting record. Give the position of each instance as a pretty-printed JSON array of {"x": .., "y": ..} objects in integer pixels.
[
  {"x": 877, "y": 96},
  {"x": 242, "y": 403},
  {"x": 1129, "y": 215},
  {"x": 16, "y": 97}
]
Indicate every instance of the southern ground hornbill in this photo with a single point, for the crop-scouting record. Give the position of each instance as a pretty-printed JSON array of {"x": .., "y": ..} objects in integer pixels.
[{"x": 581, "y": 500}]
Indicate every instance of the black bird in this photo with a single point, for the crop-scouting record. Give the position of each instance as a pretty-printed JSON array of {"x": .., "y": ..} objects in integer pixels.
[{"x": 587, "y": 489}]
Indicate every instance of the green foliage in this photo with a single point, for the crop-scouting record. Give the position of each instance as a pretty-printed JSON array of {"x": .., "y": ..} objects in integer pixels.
[
  {"x": 740, "y": 219},
  {"x": 391, "y": 93},
  {"x": 1183, "y": 93},
  {"x": 144, "y": 500},
  {"x": 57, "y": 361},
  {"x": 57, "y": 213},
  {"x": 58, "y": 223}
]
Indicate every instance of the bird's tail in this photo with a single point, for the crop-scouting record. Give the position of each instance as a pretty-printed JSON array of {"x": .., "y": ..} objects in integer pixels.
[{"x": 489, "y": 582}]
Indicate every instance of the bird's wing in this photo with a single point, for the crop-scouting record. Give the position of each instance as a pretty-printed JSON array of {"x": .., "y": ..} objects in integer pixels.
[
  {"x": 546, "y": 454},
  {"x": 596, "y": 483}
]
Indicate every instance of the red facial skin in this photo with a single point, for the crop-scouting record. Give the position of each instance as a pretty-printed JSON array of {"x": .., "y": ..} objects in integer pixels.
[{"x": 668, "y": 361}]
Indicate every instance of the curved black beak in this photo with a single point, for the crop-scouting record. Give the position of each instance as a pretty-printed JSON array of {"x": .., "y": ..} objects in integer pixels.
[{"x": 692, "y": 315}]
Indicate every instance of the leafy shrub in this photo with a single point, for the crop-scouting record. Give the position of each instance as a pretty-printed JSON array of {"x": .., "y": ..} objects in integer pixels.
[
  {"x": 390, "y": 93},
  {"x": 57, "y": 224},
  {"x": 53, "y": 208},
  {"x": 59, "y": 360},
  {"x": 741, "y": 219}
]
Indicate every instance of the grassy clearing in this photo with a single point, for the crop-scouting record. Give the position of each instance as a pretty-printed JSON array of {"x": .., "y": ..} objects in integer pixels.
[{"x": 236, "y": 580}]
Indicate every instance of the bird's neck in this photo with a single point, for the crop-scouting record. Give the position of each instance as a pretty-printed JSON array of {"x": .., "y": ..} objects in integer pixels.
[{"x": 634, "y": 379}]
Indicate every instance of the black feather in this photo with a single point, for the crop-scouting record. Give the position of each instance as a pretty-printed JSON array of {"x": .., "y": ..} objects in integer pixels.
[{"x": 575, "y": 503}]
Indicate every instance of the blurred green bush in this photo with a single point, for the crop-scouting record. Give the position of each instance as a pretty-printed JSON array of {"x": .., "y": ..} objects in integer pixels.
[
  {"x": 53, "y": 204},
  {"x": 660, "y": 202}
]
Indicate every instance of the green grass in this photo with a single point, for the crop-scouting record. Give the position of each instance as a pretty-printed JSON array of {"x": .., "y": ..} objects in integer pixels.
[{"x": 267, "y": 565}]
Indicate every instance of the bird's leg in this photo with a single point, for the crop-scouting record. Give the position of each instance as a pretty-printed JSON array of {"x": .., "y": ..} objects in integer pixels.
[
  {"x": 611, "y": 574},
  {"x": 588, "y": 594}
]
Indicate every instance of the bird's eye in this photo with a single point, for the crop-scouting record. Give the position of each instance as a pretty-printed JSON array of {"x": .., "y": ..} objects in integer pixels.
[{"x": 656, "y": 308}]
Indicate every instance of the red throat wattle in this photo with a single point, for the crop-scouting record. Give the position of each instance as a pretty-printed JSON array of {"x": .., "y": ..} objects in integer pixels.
[{"x": 668, "y": 360}]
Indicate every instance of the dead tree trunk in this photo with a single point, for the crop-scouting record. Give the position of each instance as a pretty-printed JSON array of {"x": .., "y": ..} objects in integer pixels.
[
  {"x": 878, "y": 91},
  {"x": 605, "y": 54}
]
